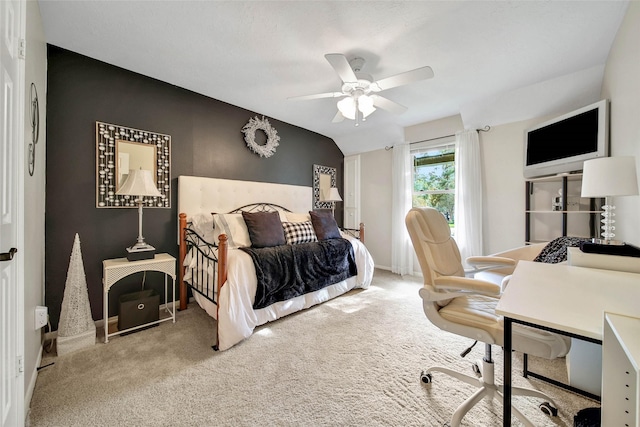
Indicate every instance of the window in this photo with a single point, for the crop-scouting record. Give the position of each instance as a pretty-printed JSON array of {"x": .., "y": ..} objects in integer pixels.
[{"x": 434, "y": 179}]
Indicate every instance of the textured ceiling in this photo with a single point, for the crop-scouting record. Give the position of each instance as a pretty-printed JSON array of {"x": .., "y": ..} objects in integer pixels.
[{"x": 494, "y": 61}]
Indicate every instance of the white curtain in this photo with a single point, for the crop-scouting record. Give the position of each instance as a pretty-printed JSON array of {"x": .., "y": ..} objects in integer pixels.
[
  {"x": 468, "y": 204},
  {"x": 401, "y": 248}
]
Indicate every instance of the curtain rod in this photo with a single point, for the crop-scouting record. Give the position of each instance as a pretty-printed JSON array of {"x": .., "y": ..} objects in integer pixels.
[{"x": 487, "y": 128}]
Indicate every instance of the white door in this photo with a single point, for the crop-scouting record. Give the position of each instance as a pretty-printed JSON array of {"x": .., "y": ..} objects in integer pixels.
[
  {"x": 352, "y": 191},
  {"x": 11, "y": 143}
]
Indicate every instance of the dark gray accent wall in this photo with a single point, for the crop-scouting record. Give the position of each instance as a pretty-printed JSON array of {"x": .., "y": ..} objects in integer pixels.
[{"x": 206, "y": 140}]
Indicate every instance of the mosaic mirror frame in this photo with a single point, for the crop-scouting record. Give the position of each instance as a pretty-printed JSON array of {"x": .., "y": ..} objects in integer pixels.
[
  {"x": 108, "y": 158},
  {"x": 320, "y": 172}
]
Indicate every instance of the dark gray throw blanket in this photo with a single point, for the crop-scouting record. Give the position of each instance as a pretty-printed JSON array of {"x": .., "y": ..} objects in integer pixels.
[{"x": 287, "y": 271}]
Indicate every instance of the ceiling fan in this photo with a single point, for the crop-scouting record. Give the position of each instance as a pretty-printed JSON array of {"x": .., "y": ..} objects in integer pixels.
[{"x": 360, "y": 92}]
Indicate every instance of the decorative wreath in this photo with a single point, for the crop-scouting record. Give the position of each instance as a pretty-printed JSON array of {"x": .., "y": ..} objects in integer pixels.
[{"x": 249, "y": 130}]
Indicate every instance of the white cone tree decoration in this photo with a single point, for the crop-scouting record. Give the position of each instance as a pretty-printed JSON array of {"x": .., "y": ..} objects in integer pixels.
[{"x": 76, "y": 329}]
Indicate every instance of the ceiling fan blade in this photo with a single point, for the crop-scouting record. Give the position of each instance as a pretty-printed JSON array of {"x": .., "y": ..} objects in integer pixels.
[
  {"x": 318, "y": 96},
  {"x": 338, "y": 117},
  {"x": 388, "y": 105},
  {"x": 405, "y": 78},
  {"x": 339, "y": 63}
]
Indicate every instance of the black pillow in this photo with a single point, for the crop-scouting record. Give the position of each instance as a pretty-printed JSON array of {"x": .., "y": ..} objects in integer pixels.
[
  {"x": 265, "y": 229},
  {"x": 324, "y": 225}
]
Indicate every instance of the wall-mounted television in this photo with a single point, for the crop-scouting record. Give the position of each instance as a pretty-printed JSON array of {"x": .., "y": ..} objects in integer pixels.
[{"x": 561, "y": 145}]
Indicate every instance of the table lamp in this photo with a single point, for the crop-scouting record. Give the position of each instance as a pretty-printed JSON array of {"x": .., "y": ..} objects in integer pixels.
[
  {"x": 331, "y": 195},
  {"x": 609, "y": 177},
  {"x": 139, "y": 183}
]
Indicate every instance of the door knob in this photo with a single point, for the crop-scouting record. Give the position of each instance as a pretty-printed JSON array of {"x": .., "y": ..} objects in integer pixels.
[{"x": 8, "y": 256}]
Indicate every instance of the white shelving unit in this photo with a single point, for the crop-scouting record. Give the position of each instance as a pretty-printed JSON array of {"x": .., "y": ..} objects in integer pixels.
[
  {"x": 571, "y": 216},
  {"x": 620, "y": 371}
]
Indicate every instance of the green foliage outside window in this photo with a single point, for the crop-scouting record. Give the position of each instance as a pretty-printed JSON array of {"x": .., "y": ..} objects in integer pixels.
[{"x": 436, "y": 176}]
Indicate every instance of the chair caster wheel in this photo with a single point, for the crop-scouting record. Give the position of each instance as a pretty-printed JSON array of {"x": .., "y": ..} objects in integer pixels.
[
  {"x": 426, "y": 378},
  {"x": 476, "y": 370},
  {"x": 548, "y": 409}
]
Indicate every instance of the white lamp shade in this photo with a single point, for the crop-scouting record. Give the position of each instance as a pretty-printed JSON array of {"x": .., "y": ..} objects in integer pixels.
[
  {"x": 139, "y": 183},
  {"x": 610, "y": 176},
  {"x": 331, "y": 195}
]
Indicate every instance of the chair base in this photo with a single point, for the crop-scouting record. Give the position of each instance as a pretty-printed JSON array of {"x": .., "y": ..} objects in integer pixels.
[{"x": 487, "y": 388}]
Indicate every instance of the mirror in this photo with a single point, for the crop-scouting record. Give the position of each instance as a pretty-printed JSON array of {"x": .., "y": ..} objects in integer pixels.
[
  {"x": 324, "y": 178},
  {"x": 120, "y": 149},
  {"x": 133, "y": 155}
]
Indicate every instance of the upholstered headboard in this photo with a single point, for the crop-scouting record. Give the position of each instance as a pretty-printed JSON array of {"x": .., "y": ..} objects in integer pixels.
[{"x": 206, "y": 195}]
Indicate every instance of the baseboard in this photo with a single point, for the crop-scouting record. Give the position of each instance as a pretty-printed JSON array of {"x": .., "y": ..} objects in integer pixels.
[
  {"x": 384, "y": 267},
  {"x": 100, "y": 323},
  {"x": 28, "y": 394}
]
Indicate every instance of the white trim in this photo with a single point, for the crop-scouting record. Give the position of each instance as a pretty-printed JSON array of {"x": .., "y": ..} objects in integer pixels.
[
  {"x": 433, "y": 143},
  {"x": 32, "y": 384},
  {"x": 20, "y": 213},
  {"x": 351, "y": 191}
]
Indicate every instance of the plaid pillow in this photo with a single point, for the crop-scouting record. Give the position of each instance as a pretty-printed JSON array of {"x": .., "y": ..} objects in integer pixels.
[{"x": 299, "y": 232}]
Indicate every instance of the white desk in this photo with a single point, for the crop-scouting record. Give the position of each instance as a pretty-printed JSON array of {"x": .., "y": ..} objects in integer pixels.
[{"x": 564, "y": 299}]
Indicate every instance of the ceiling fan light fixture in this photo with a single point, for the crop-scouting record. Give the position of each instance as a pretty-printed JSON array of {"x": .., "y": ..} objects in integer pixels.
[
  {"x": 360, "y": 90},
  {"x": 347, "y": 107},
  {"x": 365, "y": 105}
]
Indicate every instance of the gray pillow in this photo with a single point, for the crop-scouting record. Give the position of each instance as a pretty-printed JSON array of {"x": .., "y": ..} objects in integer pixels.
[
  {"x": 324, "y": 225},
  {"x": 265, "y": 229}
]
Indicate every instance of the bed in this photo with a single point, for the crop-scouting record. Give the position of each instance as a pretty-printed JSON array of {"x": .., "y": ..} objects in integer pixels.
[{"x": 221, "y": 274}]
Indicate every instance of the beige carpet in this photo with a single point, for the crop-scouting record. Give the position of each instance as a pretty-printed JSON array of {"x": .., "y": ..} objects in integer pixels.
[{"x": 353, "y": 361}]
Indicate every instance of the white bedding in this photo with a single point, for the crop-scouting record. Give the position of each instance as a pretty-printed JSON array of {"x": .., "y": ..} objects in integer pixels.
[{"x": 237, "y": 318}]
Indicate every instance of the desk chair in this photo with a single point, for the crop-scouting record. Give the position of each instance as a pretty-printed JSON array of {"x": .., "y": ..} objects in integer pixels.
[
  {"x": 499, "y": 266},
  {"x": 466, "y": 306}
]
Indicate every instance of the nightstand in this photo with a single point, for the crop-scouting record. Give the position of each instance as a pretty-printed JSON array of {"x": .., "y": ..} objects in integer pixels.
[{"x": 115, "y": 269}]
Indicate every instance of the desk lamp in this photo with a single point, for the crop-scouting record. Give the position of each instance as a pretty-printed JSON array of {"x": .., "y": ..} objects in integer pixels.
[
  {"x": 608, "y": 177},
  {"x": 331, "y": 195},
  {"x": 139, "y": 183}
]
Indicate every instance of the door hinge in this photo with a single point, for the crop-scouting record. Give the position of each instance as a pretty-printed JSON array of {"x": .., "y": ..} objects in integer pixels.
[
  {"x": 22, "y": 48},
  {"x": 20, "y": 364}
]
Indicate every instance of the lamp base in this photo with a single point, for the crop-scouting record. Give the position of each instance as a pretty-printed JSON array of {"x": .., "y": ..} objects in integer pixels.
[
  {"x": 140, "y": 252},
  {"x": 607, "y": 242}
]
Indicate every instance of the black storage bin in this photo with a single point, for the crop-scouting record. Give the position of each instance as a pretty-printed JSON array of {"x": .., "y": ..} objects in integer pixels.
[
  {"x": 138, "y": 308},
  {"x": 588, "y": 417}
]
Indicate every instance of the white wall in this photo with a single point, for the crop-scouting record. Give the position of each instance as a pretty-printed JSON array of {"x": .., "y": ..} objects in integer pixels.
[
  {"x": 503, "y": 186},
  {"x": 621, "y": 86},
  {"x": 375, "y": 193},
  {"x": 434, "y": 129},
  {"x": 34, "y": 197}
]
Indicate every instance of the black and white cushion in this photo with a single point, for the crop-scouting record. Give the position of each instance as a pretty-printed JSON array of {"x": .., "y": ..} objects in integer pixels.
[
  {"x": 299, "y": 232},
  {"x": 556, "y": 250}
]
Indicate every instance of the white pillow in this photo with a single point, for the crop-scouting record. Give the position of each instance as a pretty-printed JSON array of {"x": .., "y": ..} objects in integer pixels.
[
  {"x": 234, "y": 227},
  {"x": 204, "y": 226},
  {"x": 283, "y": 216},
  {"x": 297, "y": 217}
]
